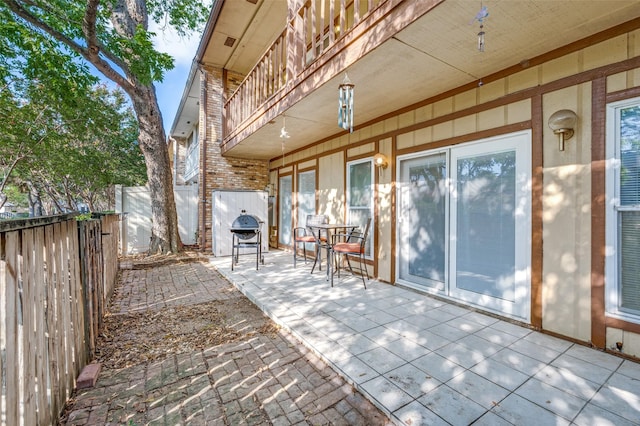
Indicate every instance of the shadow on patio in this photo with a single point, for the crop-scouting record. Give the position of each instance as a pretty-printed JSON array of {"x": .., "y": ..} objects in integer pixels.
[
  {"x": 182, "y": 346},
  {"x": 424, "y": 361}
]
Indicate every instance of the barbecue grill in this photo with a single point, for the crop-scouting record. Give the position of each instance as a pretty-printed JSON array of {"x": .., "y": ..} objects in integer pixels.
[{"x": 246, "y": 234}]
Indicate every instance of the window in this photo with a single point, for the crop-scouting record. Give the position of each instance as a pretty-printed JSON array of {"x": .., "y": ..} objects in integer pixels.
[
  {"x": 306, "y": 196},
  {"x": 285, "y": 209},
  {"x": 360, "y": 197},
  {"x": 623, "y": 210},
  {"x": 192, "y": 158}
]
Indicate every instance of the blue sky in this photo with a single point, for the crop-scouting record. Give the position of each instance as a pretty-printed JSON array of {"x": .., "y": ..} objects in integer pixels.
[{"x": 170, "y": 91}]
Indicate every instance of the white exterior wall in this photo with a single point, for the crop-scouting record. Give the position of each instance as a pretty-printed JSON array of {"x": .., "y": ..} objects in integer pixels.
[
  {"x": 135, "y": 202},
  {"x": 227, "y": 206}
]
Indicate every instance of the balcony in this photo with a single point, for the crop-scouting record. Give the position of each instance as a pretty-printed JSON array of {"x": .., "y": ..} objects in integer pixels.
[
  {"x": 300, "y": 50},
  {"x": 399, "y": 54}
]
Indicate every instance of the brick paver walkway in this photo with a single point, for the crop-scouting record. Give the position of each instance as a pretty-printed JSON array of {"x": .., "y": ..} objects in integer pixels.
[{"x": 265, "y": 379}]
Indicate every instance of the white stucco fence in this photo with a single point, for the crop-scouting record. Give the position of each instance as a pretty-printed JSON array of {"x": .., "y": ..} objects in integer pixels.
[{"x": 135, "y": 202}]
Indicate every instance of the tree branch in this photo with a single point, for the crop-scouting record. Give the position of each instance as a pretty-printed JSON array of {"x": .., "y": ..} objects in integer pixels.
[
  {"x": 89, "y": 28},
  {"x": 92, "y": 53},
  {"x": 7, "y": 172},
  {"x": 51, "y": 191}
]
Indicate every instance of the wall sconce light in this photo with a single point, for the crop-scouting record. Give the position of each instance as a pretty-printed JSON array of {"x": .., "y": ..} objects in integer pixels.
[
  {"x": 562, "y": 123},
  {"x": 271, "y": 189},
  {"x": 380, "y": 161}
]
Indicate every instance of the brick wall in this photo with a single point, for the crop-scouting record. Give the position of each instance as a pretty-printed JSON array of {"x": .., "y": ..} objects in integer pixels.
[{"x": 217, "y": 172}]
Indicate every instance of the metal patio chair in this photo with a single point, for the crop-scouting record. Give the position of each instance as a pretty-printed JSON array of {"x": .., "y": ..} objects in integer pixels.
[
  {"x": 351, "y": 244},
  {"x": 305, "y": 236}
]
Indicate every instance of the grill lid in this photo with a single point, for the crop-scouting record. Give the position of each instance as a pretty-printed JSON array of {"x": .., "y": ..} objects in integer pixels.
[
  {"x": 245, "y": 222},
  {"x": 245, "y": 226}
]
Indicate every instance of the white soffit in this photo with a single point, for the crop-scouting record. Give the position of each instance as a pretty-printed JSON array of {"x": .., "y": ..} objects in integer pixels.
[
  {"x": 435, "y": 54},
  {"x": 254, "y": 27},
  {"x": 514, "y": 30}
]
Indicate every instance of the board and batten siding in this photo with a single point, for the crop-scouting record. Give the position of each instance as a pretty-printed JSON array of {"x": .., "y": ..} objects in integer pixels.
[{"x": 567, "y": 296}]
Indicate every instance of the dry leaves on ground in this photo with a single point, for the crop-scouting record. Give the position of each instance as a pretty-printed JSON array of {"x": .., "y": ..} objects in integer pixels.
[
  {"x": 145, "y": 261},
  {"x": 134, "y": 338}
]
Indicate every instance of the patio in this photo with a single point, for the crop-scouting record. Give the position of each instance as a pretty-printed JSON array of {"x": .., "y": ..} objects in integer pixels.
[{"x": 425, "y": 361}]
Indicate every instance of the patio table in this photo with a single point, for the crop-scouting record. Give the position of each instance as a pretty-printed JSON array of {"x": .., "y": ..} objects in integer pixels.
[{"x": 328, "y": 228}]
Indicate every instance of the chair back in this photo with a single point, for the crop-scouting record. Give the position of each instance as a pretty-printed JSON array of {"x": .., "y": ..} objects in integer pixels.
[{"x": 317, "y": 219}]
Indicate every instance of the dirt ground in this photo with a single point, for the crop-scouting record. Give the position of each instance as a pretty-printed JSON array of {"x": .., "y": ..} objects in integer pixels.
[{"x": 130, "y": 339}]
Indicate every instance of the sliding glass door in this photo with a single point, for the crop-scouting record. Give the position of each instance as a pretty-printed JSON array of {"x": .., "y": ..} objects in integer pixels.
[
  {"x": 464, "y": 223},
  {"x": 423, "y": 220}
]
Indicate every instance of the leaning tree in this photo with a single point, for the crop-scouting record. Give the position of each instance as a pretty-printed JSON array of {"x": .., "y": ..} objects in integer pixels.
[{"x": 114, "y": 37}]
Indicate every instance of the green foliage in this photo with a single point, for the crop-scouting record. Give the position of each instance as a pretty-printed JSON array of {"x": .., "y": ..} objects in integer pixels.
[
  {"x": 16, "y": 196},
  {"x": 76, "y": 149},
  {"x": 183, "y": 15},
  {"x": 83, "y": 216},
  {"x": 63, "y": 135},
  {"x": 123, "y": 39},
  {"x": 31, "y": 55},
  {"x": 45, "y": 46}
]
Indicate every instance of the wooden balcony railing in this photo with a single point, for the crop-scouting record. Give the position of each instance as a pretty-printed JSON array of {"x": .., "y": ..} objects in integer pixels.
[
  {"x": 265, "y": 79},
  {"x": 312, "y": 30}
]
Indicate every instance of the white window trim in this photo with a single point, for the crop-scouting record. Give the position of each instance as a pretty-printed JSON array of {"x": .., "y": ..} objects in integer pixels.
[
  {"x": 371, "y": 200},
  {"x": 520, "y": 309},
  {"x": 612, "y": 164}
]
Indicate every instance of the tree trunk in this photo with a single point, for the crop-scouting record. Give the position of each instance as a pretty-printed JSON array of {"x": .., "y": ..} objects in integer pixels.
[
  {"x": 35, "y": 201},
  {"x": 164, "y": 234},
  {"x": 126, "y": 16}
]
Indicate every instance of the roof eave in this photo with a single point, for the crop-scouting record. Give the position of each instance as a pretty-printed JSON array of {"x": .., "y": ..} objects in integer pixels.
[{"x": 197, "y": 60}]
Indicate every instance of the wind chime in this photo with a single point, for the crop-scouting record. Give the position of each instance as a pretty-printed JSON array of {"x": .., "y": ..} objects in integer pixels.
[
  {"x": 480, "y": 17},
  {"x": 345, "y": 104}
]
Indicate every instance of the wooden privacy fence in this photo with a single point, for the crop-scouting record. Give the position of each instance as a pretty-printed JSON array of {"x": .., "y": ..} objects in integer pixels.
[{"x": 56, "y": 275}]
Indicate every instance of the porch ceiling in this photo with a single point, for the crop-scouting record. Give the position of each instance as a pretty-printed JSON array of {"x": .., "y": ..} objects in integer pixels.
[{"x": 435, "y": 54}]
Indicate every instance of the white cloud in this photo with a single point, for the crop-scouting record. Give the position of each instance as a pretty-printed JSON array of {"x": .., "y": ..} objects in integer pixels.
[{"x": 182, "y": 49}]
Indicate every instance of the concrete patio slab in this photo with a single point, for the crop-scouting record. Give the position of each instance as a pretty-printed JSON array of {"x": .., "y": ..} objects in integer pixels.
[{"x": 424, "y": 361}]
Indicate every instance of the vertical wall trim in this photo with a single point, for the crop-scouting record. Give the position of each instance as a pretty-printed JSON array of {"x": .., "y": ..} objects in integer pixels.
[
  {"x": 537, "y": 191},
  {"x": 394, "y": 218},
  {"x": 204, "y": 80},
  {"x": 598, "y": 211},
  {"x": 376, "y": 209},
  {"x": 294, "y": 196}
]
